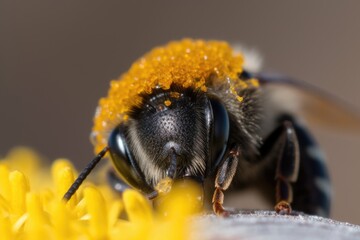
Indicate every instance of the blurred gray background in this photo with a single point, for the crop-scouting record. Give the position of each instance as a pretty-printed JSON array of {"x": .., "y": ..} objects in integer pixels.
[{"x": 57, "y": 58}]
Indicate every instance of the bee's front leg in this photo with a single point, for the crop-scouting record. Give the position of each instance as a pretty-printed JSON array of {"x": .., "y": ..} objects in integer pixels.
[
  {"x": 282, "y": 146},
  {"x": 224, "y": 177}
]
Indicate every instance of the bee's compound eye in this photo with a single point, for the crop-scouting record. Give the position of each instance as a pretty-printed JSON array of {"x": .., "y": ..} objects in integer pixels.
[
  {"x": 124, "y": 162},
  {"x": 220, "y": 132}
]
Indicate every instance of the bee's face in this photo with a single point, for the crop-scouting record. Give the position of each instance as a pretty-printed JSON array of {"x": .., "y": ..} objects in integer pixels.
[
  {"x": 163, "y": 123},
  {"x": 190, "y": 127}
]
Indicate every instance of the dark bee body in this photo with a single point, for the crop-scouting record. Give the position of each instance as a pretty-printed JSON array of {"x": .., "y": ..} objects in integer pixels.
[{"x": 264, "y": 155}]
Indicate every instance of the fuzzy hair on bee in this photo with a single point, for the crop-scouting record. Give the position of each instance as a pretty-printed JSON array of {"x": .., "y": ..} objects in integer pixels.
[{"x": 200, "y": 110}]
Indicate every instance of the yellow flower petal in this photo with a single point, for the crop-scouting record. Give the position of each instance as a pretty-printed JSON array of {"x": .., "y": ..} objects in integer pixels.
[
  {"x": 60, "y": 219},
  {"x": 4, "y": 207},
  {"x": 5, "y": 228},
  {"x": 37, "y": 224},
  {"x": 19, "y": 187},
  {"x": 63, "y": 176},
  {"x": 23, "y": 159},
  {"x": 98, "y": 213},
  {"x": 139, "y": 213},
  {"x": 5, "y": 191},
  {"x": 115, "y": 210},
  {"x": 185, "y": 199},
  {"x": 26, "y": 214},
  {"x": 137, "y": 207}
]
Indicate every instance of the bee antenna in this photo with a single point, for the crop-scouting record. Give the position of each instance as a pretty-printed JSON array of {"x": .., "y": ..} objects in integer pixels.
[{"x": 85, "y": 172}]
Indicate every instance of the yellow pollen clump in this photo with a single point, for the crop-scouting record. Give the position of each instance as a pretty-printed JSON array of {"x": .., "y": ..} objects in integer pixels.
[
  {"x": 174, "y": 94},
  {"x": 187, "y": 63},
  {"x": 164, "y": 186},
  {"x": 167, "y": 103}
]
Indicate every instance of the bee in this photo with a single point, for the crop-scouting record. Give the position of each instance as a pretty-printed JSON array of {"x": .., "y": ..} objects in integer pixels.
[{"x": 191, "y": 110}]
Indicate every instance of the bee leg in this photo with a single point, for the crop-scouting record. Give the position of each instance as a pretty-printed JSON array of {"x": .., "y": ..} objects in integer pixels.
[
  {"x": 287, "y": 169},
  {"x": 223, "y": 180},
  {"x": 299, "y": 162},
  {"x": 312, "y": 190},
  {"x": 283, "y": 146}
]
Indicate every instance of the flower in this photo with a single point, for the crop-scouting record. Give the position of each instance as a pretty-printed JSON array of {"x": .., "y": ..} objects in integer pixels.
[{"x": 31, "y": 205}]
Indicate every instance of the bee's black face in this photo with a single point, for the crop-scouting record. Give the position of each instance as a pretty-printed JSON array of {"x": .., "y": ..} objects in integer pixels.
[
  {"x": 169, "y": 124},
  {"x": 178, "y": 126}
]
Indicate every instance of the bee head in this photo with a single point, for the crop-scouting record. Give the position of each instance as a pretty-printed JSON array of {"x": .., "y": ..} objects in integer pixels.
[{"x": 174, "y": 133}]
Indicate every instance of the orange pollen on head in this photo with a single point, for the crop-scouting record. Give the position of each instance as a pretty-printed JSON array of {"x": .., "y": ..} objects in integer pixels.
[
  {"x": 174, "y": 94},
  {"x": 167, "y": 103},
  {"x": 186, "y": 63}
]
